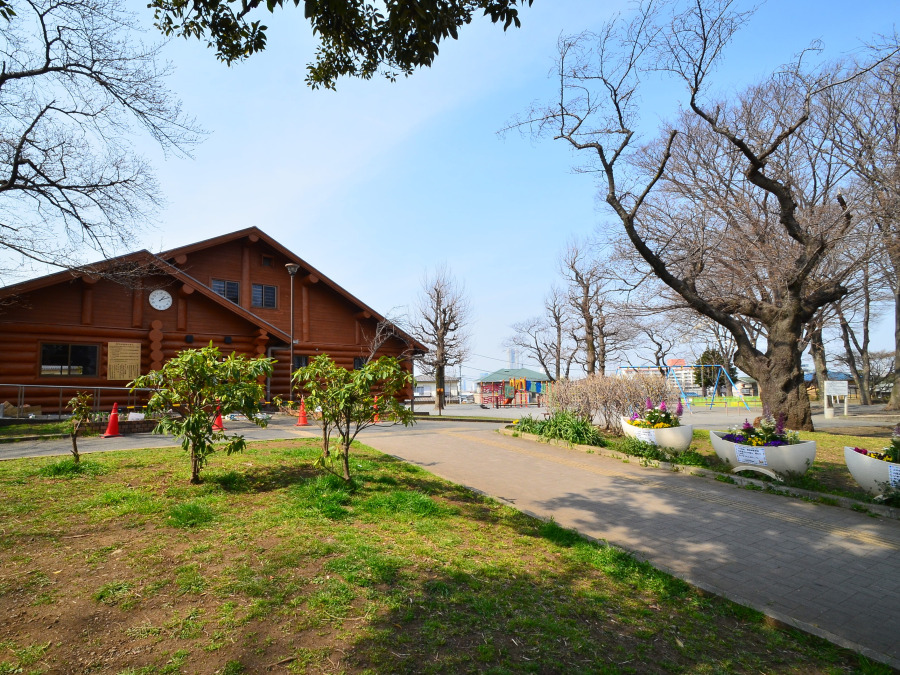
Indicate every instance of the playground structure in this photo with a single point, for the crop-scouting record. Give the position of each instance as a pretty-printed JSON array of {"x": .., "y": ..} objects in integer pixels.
[
  {"x": 677, "y": 374},
  {"x": 513, "y": 393}
]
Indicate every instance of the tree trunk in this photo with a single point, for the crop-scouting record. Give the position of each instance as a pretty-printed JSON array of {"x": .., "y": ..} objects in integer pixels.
[
  {"x": 74, "y": 435},
  {"x": 780, "y": 375},
  {"x": 817, "y": 350},
  {"x": 861, "y": 385},
  {"x": 894, "y": 403},
  {"x": 195, "y": 468},
  {"x": 439, "y": 388},
  {"x": 345, "y": 460}
]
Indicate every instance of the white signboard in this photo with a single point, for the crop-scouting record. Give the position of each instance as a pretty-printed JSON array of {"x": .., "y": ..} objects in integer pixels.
[
  {"x": 837, "y": 388},
  {"x": 750, "y": 454},
  {"x": 645, "y": 435},
  {"x": 894, "y": 474}
]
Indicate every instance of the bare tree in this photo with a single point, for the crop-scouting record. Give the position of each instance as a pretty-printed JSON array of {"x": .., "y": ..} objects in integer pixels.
[
  {"x": 738, "y": 202},
  {"x": 442, "y": 316},
  {"x": 869, "y": 142},
  {"x": 548, "y": 338},
  {"x": 601, "y": 326},
  {"x": 385, "y": 330},
  {"x": 74, "y": 87}
]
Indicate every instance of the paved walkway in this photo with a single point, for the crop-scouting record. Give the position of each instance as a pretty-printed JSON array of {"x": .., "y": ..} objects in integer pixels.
[{"x": 830, "y": 571}]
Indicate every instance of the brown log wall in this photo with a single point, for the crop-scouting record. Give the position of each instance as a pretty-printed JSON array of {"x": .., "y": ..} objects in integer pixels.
[{"x": 81, "y": 310}]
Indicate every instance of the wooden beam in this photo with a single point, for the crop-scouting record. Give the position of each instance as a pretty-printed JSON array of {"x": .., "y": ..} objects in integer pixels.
[
  {"x": 137, "y": 305},
  {"x": 304, "y": 313},
  {"x": 245, "y": 276},
  {"x": 180, "y": 259}
]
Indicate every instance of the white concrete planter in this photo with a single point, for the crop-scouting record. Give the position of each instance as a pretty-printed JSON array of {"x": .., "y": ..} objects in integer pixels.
[
  {"x": 676, "y": 438},
  {"x": 873, "y": 475},
  {"x": 773, "y": 461}
]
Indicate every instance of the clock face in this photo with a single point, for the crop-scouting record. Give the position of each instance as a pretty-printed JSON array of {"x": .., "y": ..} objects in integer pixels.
[{"x": 160, "y": 299}]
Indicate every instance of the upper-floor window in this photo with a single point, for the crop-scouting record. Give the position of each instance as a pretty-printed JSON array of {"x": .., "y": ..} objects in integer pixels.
[
  {"x": 359, "y": 362},
  {"x": 68, "y": 359},
  {"x": 227, "y": 289},
  {"x": 264, "y": 296},
  {"x": 268, "y": 261}
]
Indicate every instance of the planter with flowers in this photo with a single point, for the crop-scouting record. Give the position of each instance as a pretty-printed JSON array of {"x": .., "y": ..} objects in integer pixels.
[
  {"x": 659, "y": 426},
  {"x": 876, "y": 471},
  {"x": 768, "y": 448}
]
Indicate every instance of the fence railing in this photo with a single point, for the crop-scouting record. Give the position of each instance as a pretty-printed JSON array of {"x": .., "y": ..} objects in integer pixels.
[{"x": 57, "y": 396}]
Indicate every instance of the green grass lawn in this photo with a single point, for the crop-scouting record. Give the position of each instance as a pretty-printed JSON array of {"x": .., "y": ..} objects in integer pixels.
[
  {"x": 126, "y": 568},
  {"x": 43, "y": 429}
]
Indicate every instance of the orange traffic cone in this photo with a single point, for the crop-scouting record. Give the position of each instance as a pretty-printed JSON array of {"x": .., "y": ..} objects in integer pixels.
[
  {"x": 376, "y": 410},
  {"x": 302, "y": 420},
  {"x": 112, "y": 429},
  {"x": 217, "y": 423}
]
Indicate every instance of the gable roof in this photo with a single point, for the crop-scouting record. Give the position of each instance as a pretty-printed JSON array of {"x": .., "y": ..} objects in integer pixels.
[
  {"x": 506, "y": 374},
  {"x": 161, "y": 262}
]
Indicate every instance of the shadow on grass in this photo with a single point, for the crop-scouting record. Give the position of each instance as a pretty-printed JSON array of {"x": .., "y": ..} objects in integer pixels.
[{"x": 593, "y": 609}]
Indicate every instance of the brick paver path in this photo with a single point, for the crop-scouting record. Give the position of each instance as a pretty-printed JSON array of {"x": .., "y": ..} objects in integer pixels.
[{"x": 830, "y": 571}]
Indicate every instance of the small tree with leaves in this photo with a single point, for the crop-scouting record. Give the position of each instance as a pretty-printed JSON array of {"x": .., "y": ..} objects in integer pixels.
[
  {"x": 346, "y": 399},
  {"x": 82, "y": 407},
  {"x": 191, "y": 389}
]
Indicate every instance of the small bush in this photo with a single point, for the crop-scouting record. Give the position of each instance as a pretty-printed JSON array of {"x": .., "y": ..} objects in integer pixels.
[
  {"x": 565, "y": 426},
  {"x": 69, "y": 468},
  {"x": 636, "y": 448}
]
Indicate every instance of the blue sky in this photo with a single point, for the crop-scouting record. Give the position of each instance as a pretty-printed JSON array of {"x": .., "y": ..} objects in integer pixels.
[{"x": 376, "y": 183}]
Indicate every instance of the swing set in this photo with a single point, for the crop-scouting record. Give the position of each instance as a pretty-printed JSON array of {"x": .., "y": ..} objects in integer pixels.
[{"x": 670, "y": 372}]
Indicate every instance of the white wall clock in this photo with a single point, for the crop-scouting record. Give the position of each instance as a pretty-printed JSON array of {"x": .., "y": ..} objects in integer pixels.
[{"x": 160, "y": 299}]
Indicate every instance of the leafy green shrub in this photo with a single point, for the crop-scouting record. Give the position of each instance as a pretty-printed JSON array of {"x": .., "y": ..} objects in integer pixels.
[
  {"x": 636, "y": 448},
  {"x": 565, "y": 426}
]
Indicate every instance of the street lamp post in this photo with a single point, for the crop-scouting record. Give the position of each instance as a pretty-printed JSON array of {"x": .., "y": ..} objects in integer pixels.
[{"x": 292, "y": 270}]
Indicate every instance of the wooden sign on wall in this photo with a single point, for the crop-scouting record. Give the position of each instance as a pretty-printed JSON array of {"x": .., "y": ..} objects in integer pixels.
[{"x": 123, "y": 360}]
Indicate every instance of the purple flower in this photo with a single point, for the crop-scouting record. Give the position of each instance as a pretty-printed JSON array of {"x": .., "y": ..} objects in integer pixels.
[
  {"x": 635, "y": 417},
  {"x": 747, "y": 425},
  {"x": 649, "y": 404},
  {"x": 779, "y": 425},
  {"x": 662, "y": 406},
  {"x": 679, "y": 409}
]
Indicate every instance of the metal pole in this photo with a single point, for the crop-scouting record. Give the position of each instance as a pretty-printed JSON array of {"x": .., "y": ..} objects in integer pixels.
[{"x": 292, "y": 270}]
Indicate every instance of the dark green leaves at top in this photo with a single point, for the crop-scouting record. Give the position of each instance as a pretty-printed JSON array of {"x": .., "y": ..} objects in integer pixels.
[{"x": 355, "y": 38}]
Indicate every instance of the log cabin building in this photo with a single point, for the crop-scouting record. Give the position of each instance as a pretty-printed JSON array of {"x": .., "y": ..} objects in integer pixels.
[{"x": 78, "y": 330}]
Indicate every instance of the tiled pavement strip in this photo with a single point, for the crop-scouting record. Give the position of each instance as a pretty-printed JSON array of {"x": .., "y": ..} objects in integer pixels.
[{"x": 829, "y": 571}]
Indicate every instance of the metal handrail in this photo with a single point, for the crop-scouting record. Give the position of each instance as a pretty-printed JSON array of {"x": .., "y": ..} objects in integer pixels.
[{"x": 130, "y": 394}]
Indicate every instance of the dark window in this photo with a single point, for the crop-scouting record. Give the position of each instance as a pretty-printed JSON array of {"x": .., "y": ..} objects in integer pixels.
[
  {"x": 267, "y": 261},
  {"x": 300, "y": 362},
  {"x": 264, "y": 296},
  {"x": 358, "y": 362},
  {"x": 62, "y": 359},
  {"x": 227, "y": 289}
]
